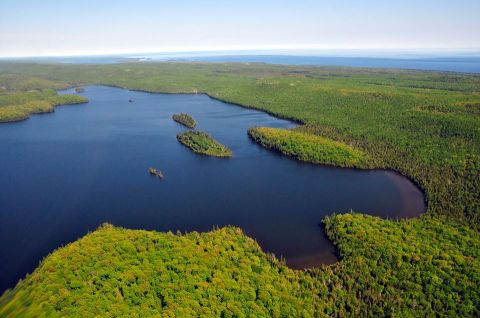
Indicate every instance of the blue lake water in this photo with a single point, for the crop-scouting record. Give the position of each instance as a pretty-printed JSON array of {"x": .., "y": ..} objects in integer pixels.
[{"x": 63, "y": 174}]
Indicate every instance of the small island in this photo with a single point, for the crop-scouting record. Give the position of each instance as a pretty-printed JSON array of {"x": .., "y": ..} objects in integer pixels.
[
  {"x": 202, "y": 143},
  {"x": 155, "y": 172},
  {"x": 79, "y": 89},
  {"x": 185, "y": 119}
]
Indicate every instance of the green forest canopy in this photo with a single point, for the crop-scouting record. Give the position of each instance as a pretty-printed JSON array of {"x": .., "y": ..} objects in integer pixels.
[
  {"x": 423, "y": 124},
  {"x": 413, "y": 268},
  {"x": 202, "y": 143}
]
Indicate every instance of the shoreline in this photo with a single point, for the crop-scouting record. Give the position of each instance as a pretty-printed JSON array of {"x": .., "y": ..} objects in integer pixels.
[{"x": 293, "y": 120}]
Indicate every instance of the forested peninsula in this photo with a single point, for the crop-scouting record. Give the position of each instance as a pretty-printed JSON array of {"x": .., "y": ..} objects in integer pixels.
[{"x": 424, "y": 125}]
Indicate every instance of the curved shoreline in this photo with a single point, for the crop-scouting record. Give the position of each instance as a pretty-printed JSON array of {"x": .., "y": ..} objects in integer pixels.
[
  {"x": 294, "y": 120},
  {"x": 385, "y": 265},
  {"x": 424, "y": 194},
  {"x": 15, "y": 120}
]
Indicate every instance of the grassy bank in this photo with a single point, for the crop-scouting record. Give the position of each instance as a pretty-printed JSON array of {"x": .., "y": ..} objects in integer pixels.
[
  {"x": 185, "y": 119},
  {"x": 202, "y": 143},
  {"x": 309, "y": 148}
]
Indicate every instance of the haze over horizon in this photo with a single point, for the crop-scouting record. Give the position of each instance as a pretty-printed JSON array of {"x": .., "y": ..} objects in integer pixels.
[{"x": 30, "y": 28}]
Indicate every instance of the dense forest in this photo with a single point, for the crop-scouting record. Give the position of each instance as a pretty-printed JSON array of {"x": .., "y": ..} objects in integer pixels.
[
  {"x": 21, "y": 97},
  {"x": 408, "y": 268},
  {"x": 202, "y": 143},
  {"x": 424, "y": 125},
  {"x": 308, "y": 147},
  {"x": 185, "y": 119}
]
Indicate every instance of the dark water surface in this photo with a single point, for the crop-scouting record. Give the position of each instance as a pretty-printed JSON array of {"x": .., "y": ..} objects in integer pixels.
[{"x": 64, "y": 174}]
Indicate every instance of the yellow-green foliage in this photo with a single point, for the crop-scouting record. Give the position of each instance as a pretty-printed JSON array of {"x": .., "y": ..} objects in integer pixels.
[
  {"x": 15, "y": 105},
  {"x": 115, "y": 272},
  {"x": 185, "y": 119},
  {"x": 411, "y": 268},
  {"x": 423, "y": 124},
  {"x": 202, "y": 143},
  {"x": 308, "y": 147}
]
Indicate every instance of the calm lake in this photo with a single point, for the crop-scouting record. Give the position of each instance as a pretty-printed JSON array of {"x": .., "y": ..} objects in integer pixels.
[{"x": 64, "y": 174}]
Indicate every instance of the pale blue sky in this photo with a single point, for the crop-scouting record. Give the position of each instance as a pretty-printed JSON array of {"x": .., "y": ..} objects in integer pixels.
[{"x": 46, "y": 27}]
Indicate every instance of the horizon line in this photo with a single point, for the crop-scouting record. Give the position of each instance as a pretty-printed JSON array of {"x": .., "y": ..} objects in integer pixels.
[{"x": 317, "y": 50}]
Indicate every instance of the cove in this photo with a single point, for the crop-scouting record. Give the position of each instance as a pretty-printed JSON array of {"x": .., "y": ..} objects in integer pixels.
[{"x": 64, "y": 174}]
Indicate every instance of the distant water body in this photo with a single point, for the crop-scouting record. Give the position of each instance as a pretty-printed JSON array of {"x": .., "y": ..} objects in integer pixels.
[
  {"x": 450, "y": 64},
  {"x": 464, "y": 64}
]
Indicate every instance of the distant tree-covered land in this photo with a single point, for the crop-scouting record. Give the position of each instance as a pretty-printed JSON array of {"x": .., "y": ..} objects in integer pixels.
[
  {"x": 424, "y": 125},
  {"x": 20, "y": 97}
]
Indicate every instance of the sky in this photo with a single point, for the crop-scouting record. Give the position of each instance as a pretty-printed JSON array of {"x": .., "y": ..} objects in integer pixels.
[{"x": 103, "y": 27}]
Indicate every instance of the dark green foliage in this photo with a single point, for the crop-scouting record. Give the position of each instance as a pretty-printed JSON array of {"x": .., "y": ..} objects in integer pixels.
[
  {"x": 202, "y": 143},
  {"x": 411, "y": 268},
  {"x": 185, "y": 119},
  {"x": 422, "y": 124}
]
